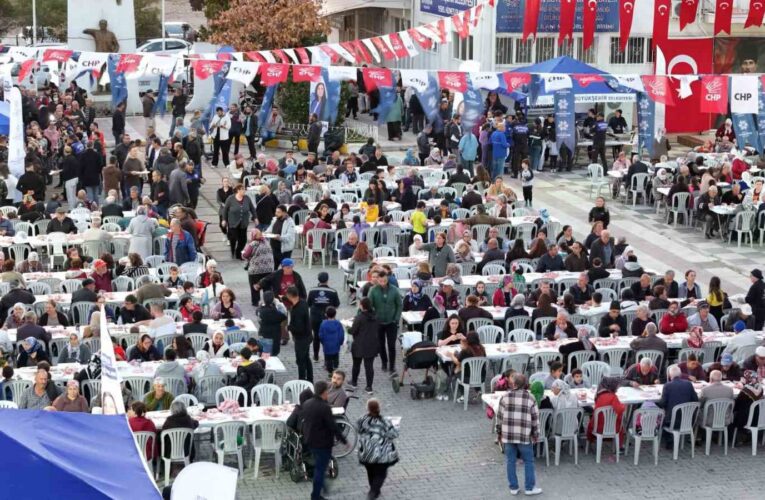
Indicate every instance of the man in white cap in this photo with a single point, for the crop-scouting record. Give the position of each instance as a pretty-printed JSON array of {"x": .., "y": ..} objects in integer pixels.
[
  {"x": 449, "y": 294},
  {"x": 756, "y": 362},
  {"x": 31, "y": 265}
]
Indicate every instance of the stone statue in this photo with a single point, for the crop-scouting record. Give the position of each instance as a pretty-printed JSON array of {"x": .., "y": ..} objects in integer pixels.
[{"x": 105, "y": 39}]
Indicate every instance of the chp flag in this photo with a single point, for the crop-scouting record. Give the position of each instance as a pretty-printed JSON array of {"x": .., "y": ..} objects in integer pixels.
[
  {"x": 243, "y": 72},
  {"x": 111, "y": 384},
  {"x": 714, "y": 94},
  {"x": 743, "y": 94}
]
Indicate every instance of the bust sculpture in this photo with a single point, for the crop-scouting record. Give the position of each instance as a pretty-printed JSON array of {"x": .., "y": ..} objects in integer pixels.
[{"x": 105, "y": 39}]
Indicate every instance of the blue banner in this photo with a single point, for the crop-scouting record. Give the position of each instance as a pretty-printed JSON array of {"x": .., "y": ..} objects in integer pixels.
[
  {"x": 161, "y": 103},
  {"x": 565, "y": 119},
  {"x": 510, "y": 16},
  {"x": 429, "y": 100},
  {"x": 446, "y": 8},
  {"x": 333, "y": 96},
  {"x": 761, "y": 118},
  {"x": 472, "y": 106},
  {"x": 388, "y": 98},
  {"x": 646, "y": 109},
  {"x": 117, "y": 81},
  {"x": 535, "y": 87},
  {"x": 746, "y": 132},
  {"x": 219, "y": 80},
  {"x": 265, "y": 107}
]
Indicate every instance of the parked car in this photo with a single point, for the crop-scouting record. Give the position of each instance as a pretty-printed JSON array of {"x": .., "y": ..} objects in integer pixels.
[{"x": 171, "y": 46}]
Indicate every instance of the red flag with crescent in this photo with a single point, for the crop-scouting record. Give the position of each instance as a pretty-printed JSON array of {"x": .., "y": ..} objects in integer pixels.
[
  {"x": 756, "y": 12},
  {"x": 567, "y": 15},
  {"x": 589, "y": 17},
  {"x": 661, "y": 11},
  {"x": 531, "y": 18},
  {"x": 626, "y": 11},
  {"x": 688, "y": 9},
  {"x": 723, "y": 16}
]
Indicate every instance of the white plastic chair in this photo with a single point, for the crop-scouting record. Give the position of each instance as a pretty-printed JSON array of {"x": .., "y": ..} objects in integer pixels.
[
  {"x": 197, "y": 340},
  {"x": 609, "y": 431},
  {"x": 142, "y": 439},
  {"x": 754, "y": 427},
  {"x": 540, "y": 362},
  {"x": 478, "y": 368},
  {"x": 493, "y": 270},
  {"x": 650, "y": 420},
  {"x": 17, "y": 387},
  {"x": 227, "y": 441},
  {"x": 267, "y": 438},
  {"x": 578, "y": 358},
  {"x": 686, "y": 414},
  {"x": 266, "y": 395},
  {"x": 71, "y": 286},
  {"x": 232, "y": 392},
  {"x": 594, "y": 371},
  {"x": 489, "y": 334},
  {"x": 656, "y": 356},
  {"x": 566, "y": 424},
  {"x": 175, "y": 440},
  {"x": 317, "y": 241},
  {"x": 518, "y": 362},
  {"x": 679, "y": 206},
  {"x": 743, "y": 224},
  {"x": 616, "y": 358},
  {"x": 291, "y": 390},
  {"x": 139, "y": 386},
  {"x": 721, "y": 410},
  {"x": 637, "y": 188},
  {"x": 597, "y": 180},
  {"x": 175, "y": 386},
  {"x": 187, "y": 400}
]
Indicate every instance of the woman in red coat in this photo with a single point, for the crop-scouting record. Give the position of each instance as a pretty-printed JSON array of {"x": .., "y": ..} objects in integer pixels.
[
  {"x": 503, "y": 296},
  {"x": 139, "y": 423},
  {"x": 674, "y": 321},
  {"x": 606, "y": 396}
]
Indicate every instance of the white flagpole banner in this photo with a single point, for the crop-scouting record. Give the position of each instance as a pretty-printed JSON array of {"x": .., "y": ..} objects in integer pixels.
[
  {"x": 408, "y": 43},
  {"x": 342, "y": 73},
  {"x": 743, "y": 94},
  {"x": 555, "y": 82},
  {"x": 16, "y": 125},
  {"x": 111, "y": 387},
  {"x": 154, "y": 65},
  {"x": 372, "y": 49},
  {"x": 486, "y": 80},
  {"x": 415, "y": 78}
]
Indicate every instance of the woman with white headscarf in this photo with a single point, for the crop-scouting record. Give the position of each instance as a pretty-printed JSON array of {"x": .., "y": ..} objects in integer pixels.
[
  {"x": 141, "y": 229},
  {"x": 662, "y": 180},
  {"x": 204, "y": 368},
  {"x": 415, "y": 249}
]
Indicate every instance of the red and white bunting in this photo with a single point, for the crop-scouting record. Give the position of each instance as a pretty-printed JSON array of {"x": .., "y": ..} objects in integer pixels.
[
  {"x": 128, "y": 64},
  {"x": 267, "y": 56},
  {"x": 421, "y": 40},
  {"x": 271, "y": 74},
  {"x": 408, "y": 43},
  {"x": 456, "y": 81},
  {"x": 658, "y": 89},
  {"x": 345, "y": 54},
  {"x": 93, "y": 61},
  {"x": 243, "y": 72},
  {"x": 156, "y": 65},
  {"x": 303, "y": 55},
  {"x": 383, "y": 48},
  {"x": 204, "y": 69},
  {"x": 377, "y": 77},
  {"x": 514, "y": 81},
  {"x": 415, "y": 78},
  {"x": 372, "y": 49},
  {"x": 398, "y": 46},
  {"x": 56, "y": 55},
  {"x": 281, "y": 56}
]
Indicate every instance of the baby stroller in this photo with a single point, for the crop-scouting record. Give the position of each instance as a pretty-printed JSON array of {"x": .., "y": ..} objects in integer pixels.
[
  {"x": 420, "y": 356},
  {"x": 299, "y": 460}
]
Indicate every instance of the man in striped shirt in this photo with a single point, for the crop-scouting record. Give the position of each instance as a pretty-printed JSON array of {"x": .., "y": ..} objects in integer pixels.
[{"x": 518, "y": 429}]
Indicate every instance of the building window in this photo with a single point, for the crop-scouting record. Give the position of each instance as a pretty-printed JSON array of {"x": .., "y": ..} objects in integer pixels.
[
  {"x": 400, "y": 24},
  {"x": 545, "y": 49},
  {"x": 504, "y": 51},
  {"x": 523, "y": 51},
  {"x": 615, "y": 55},
  {"x": 566, "y": 49},
  {"x": 462, "y": 48},
  {"x": 586, "y": 56},
  {"x": 637, "y": 51}
]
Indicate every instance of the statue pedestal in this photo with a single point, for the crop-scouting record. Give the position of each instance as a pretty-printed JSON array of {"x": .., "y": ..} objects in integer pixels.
[{"x": 85, "y": 14}]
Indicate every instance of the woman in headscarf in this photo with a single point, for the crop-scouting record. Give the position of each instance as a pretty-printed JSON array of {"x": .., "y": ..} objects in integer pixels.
[
  {"x": 415, "y": 300},
  {"x": 695, "y": 338},
  {"x": 31, "y": 353},
  {"x": 726, "y": 130},
  {"x": 503, "y": 297},
  {"x": 606, "y": 396},
  {"x": 410, "y": 160},
  {"x": 437, "y": 310},
  {"x": 537, "y": 389},
  {"x": 141, "y": 230},
  {"x": 204, "y": 368},
  {"x": 16, "y": 318},
  {"x": 750, "y": 392},
  {"x": 454, "y": 273},
  {"x": 434, "y": 159},
  {"x": 463, "y": 252},
  {"x": 562, "y": 397},
  {"x": 662, "y": 180},
  {"x": 415, "y": 249},
  {"x": 71, "y": 400},
  {"x": 216, "y": 347}
]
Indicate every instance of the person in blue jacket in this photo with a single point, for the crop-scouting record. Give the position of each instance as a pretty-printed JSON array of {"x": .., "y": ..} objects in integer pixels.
[
  {"x": 498, "y": 151},
  {"x": 179, "y": 245},
  {"x": 332, "y": 336}
]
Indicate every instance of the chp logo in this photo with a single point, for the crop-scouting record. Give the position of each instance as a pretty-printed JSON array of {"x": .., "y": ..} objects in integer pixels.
[
  {"x": 657, "y": 87},
  {"x": 714, "y": 90}
]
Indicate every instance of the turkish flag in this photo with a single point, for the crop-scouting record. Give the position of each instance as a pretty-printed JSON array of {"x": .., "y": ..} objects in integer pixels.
[
  {"x": 723, "y": 15},
  {"x": 690, "y": 56},
  {"x": 688, "y": 9},
  {"x": 362, "y": 52},
  {"x": 59, "y": 55},
  {"x": 456, "y": 81},
  {"x": 383, "y": 47},
  {"x": 657, "y": 87},
  {"x": 588, "y": 23},
  {"x": 25, "y": 68},
  {"x": 273, "y": 73},
  {"x": 204, "y": 68},
  {"x": 514, "y": 81},
  {"x": 254, "y": 56},
  {"x": 661, "y": 10},
  {"x": 756, "y": 12},
  {"x": 714, "y": 94},
  {"x": 303, "y": 55},
  {"x": 279, "y": 53},
  {"x": 626, "y": 11},
  {"x": 377, "y": 77},
  {"x": 567, "y": 15},
  {"x": 306, "y": 73},
  {"x": 531, "y": 18},
  {"x": 421, "y": 39},
  {"x": 460, "y": 26},
  {"x": 128, "y": 63},
  {"x": 439, "y": 29},
  {"x": 398, "y": 45}
]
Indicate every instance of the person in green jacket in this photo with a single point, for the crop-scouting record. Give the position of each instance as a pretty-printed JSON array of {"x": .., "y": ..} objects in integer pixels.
[
  {"x": 387, "y": 305},
  {"x": 159, "y": 398},
  {"x": 394, "y": 118}
]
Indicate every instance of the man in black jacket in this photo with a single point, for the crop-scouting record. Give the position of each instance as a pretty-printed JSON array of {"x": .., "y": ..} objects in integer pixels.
[
  {"x": 319, "y": 299},
  {"x": 319, "y": 433},
  {"x": 31, "y": 181},
  {"x": 91, "y": 164},
  {"x": 273, "y": 281},
  {"x": 300, "y": 327},
  {"x": 61, "y": 223},
  {"x": 314, "y": 133},
  {"x": 118, "y": 122},
  {"x": 471, "y": 198},
  {"x": 14, "y": 296},
  {"x": 755, "y": 297},
  {"x": 85, "y": 294},
  {"x": 706, "y": 203},
  {"x": 613, "y": 323},
  {"x": 133, "y": 312}
]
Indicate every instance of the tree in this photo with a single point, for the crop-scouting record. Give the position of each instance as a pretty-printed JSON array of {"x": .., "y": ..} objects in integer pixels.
[
  {"x": 148, "y": 23},
  {"x": 267, "y": 24}
]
